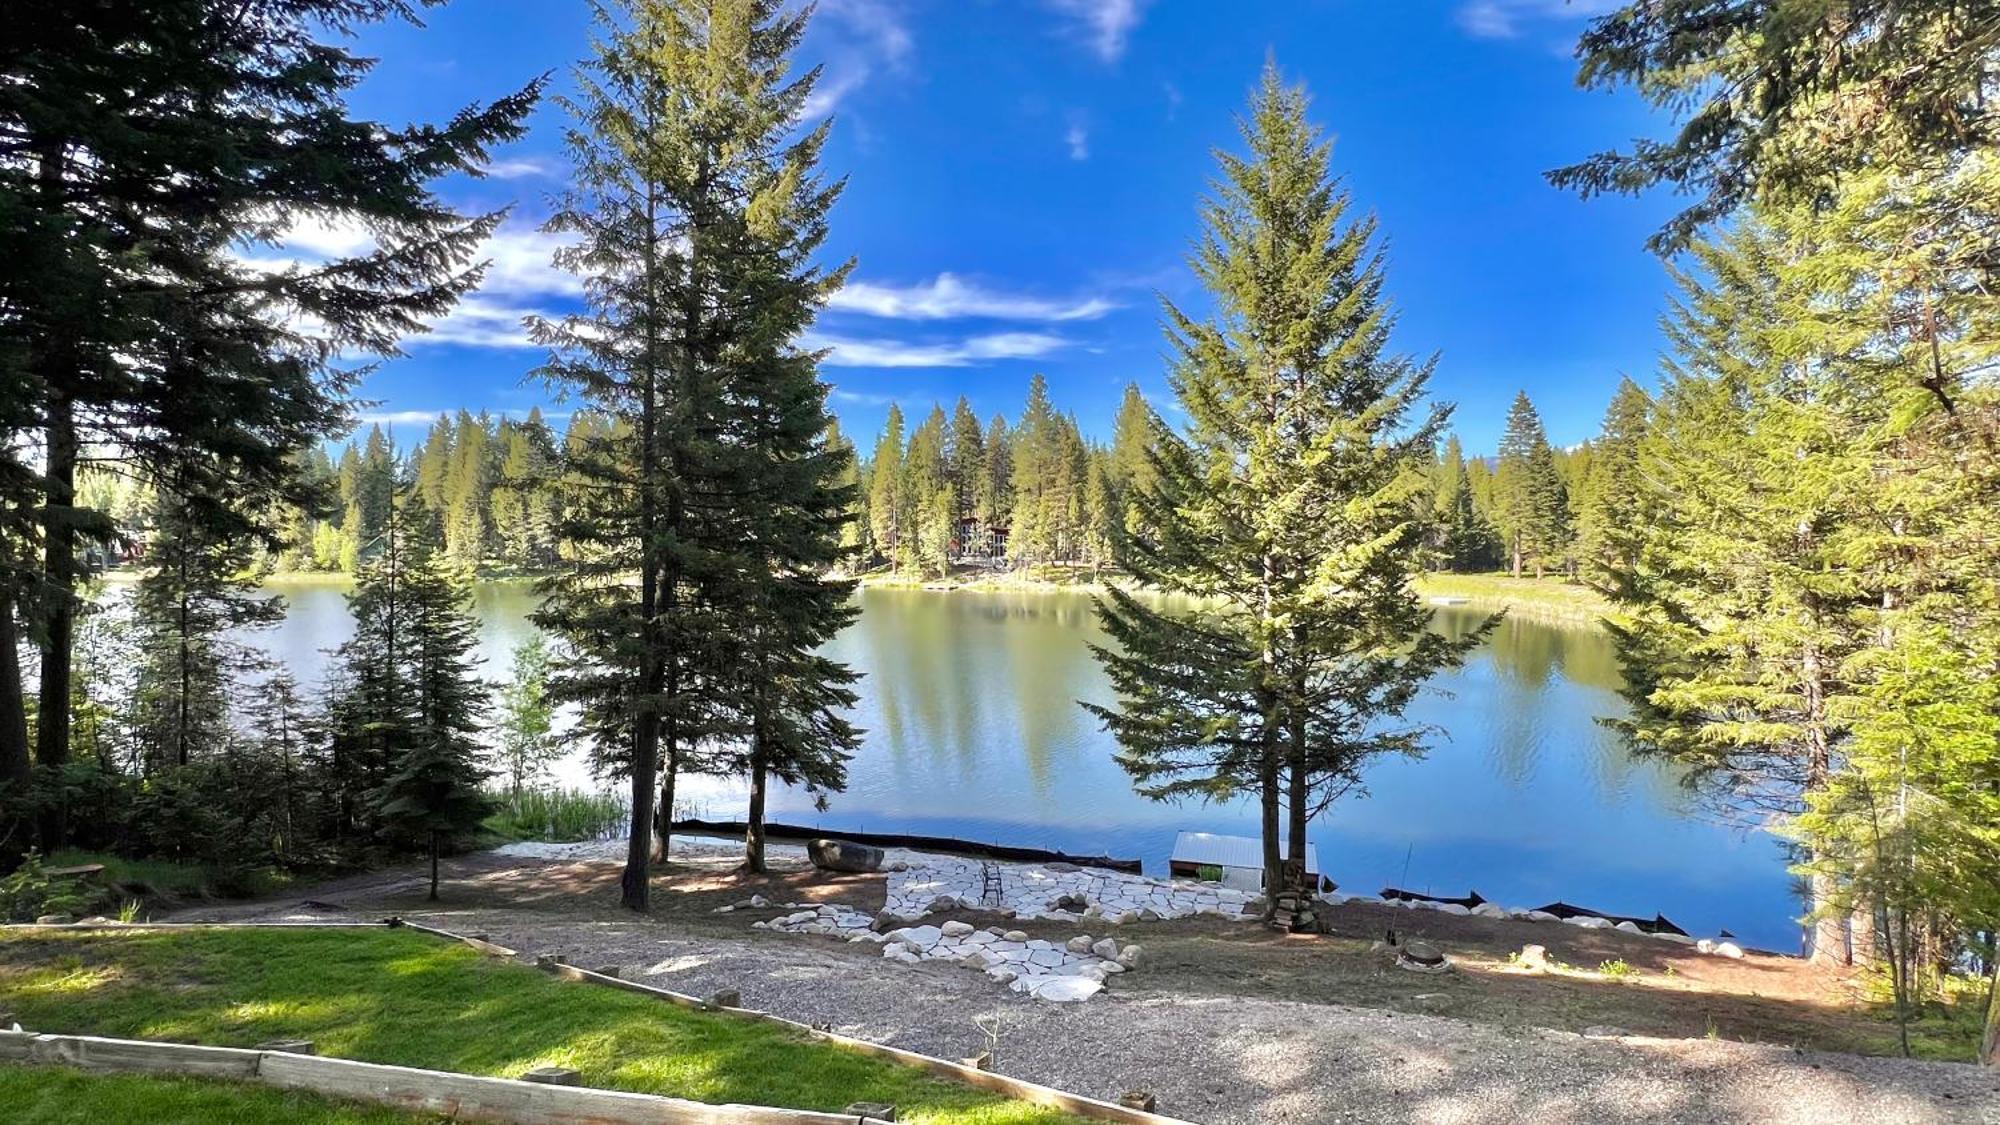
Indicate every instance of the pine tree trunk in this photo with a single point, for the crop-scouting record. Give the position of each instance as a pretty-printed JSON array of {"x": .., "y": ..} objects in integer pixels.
[
  {"x": 663, "y": 814},
  {"x": 434, "y": 865},
  {"x": 1299, "y": 789},
  {"x": 1516, "y": 542},
  {"x": 16, "y": 765},
  {"x": 52, "y": 711},
  {"x": 753, "y": 834},
  {"x": 1989, "y": 1046}
]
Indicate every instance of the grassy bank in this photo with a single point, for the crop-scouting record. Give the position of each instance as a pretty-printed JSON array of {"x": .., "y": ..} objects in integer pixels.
[
  {"x": 391, "y": 996},
  {"x": 59, "y": 1096},
  {"x": 1543, "y": 599}
]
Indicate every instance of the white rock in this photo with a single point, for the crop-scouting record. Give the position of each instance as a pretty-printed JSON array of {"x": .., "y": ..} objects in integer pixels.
[
  {"x": 1728, "y": 949},
  {"x": 1080, "y": 944},
  {"x": 1065, "y": 990},
  {"x": 1541, "y": 916},
  {"x": 1458, "y": 909},
  {"x": 1629, "y": 927},
  {"x": 1105, "y": 948},
  {"x": 1129, "y": 956},
  {"x": 1490, "y": 910},
  {"x": 956, "y": 929},
  {"x": 923, "y": 937},
  {"x": 724, "y": 909},
  {"x": 1015, "y": 936},
  {"x": 1588, "y": 922}
]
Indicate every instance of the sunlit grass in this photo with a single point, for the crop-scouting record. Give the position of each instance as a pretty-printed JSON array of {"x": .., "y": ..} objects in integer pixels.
[
  {"x": 60, "y": 1096},
  {"x": 1546, "y": 599},
  {"x": 392, "y": 996}
]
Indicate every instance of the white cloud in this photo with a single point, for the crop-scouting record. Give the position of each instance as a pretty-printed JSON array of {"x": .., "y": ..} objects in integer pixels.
[
  {"x": 520, "y": 168},
  {"x": 856, "y": 38},
  {"x": 948, "y": 297},
  {"x": 480, "y": 322},
  {"x": 1503, "y": 19},
  {"x": 1104, "y": 25},
  {"x": 1077, "y": 137},
  {"x": 846, "y": 352}
]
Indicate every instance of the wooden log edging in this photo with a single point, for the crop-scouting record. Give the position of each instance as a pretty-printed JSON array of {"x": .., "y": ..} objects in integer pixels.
[
  {"x": 459, "y": 1096},
  {"x": 1019, "y": 1089}
]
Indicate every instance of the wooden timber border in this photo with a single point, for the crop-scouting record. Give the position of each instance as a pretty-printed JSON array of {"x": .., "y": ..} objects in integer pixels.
[{"x": 1016, "y": 1088}]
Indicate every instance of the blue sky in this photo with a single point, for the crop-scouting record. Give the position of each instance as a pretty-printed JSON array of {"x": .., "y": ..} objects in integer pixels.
[{"x": 1023, "y": 181}]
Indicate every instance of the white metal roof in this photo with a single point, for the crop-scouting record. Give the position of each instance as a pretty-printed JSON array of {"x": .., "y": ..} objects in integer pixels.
[{"x": 1208, "y": 849}]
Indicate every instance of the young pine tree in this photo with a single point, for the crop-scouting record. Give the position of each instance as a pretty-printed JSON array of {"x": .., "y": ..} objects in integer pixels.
[
  {"x": 432, "y": 792},
  {"x": 1286, "y": 507},
  {"x": 189, "y": 609}
]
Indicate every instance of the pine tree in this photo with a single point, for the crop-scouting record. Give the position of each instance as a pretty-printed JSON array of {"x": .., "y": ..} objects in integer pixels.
[
  {"x": 699, "y": 209},
  {"x": 1528, "y": 492},
  {"x": 887, "y": 501},
  {"x": 928, "y": 504},
  {"x": 190, "y": 608},
  {"x": 993, "y": 504},
  {"x": 1131, "y": 465},
  {"x": 1613, "y": 489},
  {"x": 965, "y": 457},
  {"x": 148, "y": 146},
  {"x": 1782, "y": 102},
  {"x": 1287, "y": 506},
  {"x": 432, "y": 792},
  {"x": 1463, "y": 541},
  {"x": 1039, "y": 482}
]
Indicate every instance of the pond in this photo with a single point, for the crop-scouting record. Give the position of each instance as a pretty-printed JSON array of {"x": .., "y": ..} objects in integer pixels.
[{"x": 973, "y": 730}]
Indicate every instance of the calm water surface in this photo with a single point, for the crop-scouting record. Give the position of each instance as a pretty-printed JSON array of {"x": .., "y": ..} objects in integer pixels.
[{"x": 969, "y": 702}]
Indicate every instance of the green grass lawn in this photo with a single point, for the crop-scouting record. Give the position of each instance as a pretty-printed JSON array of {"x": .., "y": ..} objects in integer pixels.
[
  {"x": 1546, "y": 599},
  {"x": 393, "y": 996},
  {"x": 54, "y": 1095}
]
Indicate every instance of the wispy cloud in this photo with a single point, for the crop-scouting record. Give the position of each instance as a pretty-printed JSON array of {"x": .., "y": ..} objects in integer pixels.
[
  {"x": 520, "y": 168},
  {"x": 426, "y": 417},
  {"x": 857, "y": 38},
  {"x": 966, "y": 352},
  {"x": 1077, "y": 137},
  {"x": 1105, "y": 26},
  {"x": 949, "y": 297},
  {"x": 1505, "y": 19},
  {"x": 520, "y": 279}
]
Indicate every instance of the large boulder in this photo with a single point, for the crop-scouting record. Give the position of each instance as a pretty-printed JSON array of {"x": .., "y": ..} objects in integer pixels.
[{"x": 843, "y": 855}]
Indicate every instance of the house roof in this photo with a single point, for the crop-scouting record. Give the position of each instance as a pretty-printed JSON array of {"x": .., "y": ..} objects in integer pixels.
[{"x": 1209, "y": 849}]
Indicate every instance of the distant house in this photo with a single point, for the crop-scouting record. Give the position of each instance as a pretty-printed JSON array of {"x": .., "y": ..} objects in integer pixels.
[{"x": 1240, "y": 859}]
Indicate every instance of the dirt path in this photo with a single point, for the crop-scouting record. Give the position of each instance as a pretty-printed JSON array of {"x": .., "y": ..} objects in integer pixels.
[{"x": 1235, "y": 1049}]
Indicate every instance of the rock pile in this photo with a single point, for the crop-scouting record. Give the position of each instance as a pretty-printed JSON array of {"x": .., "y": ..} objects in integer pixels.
[
  {"x": 1293, "y": 912},
  {"x": 1062, "y": 891},
  {"x": 1043, "y": 969}
]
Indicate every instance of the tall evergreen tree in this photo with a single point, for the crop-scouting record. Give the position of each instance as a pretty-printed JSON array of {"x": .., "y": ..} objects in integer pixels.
[
  {"x": 888, "y": 504},
  {"x": 698, "y": 208},
  {"x": 147, "y": 146},
  {"x": 1528, "y": 492},
  {"x": 1287, "y": 505},
  {"x": 1612, "y": 491}
]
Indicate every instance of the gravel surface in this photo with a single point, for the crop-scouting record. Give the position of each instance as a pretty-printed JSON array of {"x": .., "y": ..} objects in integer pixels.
[{"x": 1231, "y": 1060}]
